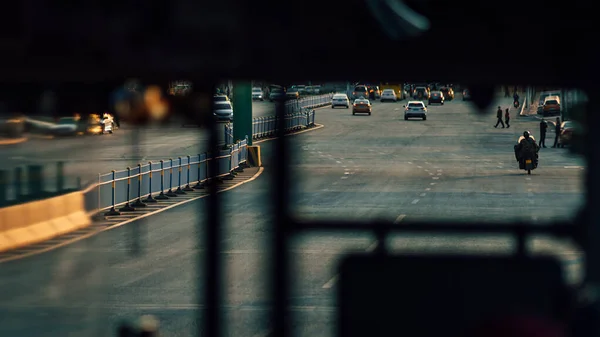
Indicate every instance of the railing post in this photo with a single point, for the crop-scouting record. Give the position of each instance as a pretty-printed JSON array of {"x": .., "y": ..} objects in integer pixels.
[
  {"x": 179, "y": 190},
  {"x": 170, "y": 192},
  {"x": 139, "y": 202},
  {"x": 150, "y": 198},
  {"x": 161, "y": 195},
  {"x": 199, "y": 184},
  {"x": 189, "y": 167},
  {"x": 3, "y": 187},
  {"x": 128, "y": 207},
  {"x": 112, "y": 210}
]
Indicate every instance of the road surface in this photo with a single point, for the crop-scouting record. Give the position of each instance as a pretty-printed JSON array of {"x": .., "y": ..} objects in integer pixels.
[{"x": 454, "y": 166}]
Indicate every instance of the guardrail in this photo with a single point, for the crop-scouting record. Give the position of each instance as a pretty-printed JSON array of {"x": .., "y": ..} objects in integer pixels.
[
  {"x": 146, "y": 183},
  {"x": 264, "y": 127}
]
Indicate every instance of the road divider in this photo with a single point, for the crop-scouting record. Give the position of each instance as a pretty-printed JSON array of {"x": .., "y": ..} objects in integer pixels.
[
  {"x": 266, "y": 127},
  {"x": 136, "y": 187},
  {"x": 254, "y": 156},
  {"x": 37, "y": 221}
]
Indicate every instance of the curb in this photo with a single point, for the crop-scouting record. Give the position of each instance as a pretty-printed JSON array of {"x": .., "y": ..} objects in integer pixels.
[
  {"x": 316, "y": 127},
  {"x": 13, "y": 141},
  {"x": 31, "y": 251}
]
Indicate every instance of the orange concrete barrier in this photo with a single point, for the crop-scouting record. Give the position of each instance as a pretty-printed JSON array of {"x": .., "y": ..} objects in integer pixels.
[{"x": 38, "y": 221}]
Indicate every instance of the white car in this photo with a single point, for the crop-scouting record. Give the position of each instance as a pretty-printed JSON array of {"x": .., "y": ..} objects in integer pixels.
[
  {"x": 415, "y": 109},
  {"x": 223, "y": 111},
  {"x": 340, "y": 100},
  {"x": 257, "y": 94},
  {"x": 389, "y": 95}
]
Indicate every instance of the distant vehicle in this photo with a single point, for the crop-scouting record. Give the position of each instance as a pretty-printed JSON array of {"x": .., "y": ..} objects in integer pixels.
[
  {"x": 257, "y": 94},
  {"x": 220, "y": 98},
  {"x": 448, "y": 93},
  {"x": 292, "y": 94},
  {"x": 415, "y": 109},
  {"x": 361, "y": 105},
  {"x": 436, "y": 97},
  {"x": 389, "y": 95},
  {"x": 360, "y": 91},
  {"x": 551, "y": 106},
  {"x": 316, "y": 89},
  {"x": 421, "y": 93},
  {"x": 340, "y": 100},
  {"x": 543, "y": 96},
  {"x": 223, "y": 111},
  {"x": 301, "y": 89},
  {"x": 466, "y": 95},
  {"x": 276, "y": 94},
  {"x": 567, "y": 129}
]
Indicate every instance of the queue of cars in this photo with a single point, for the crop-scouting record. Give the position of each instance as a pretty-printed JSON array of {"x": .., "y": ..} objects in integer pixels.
[{"x": 413, "y": 109}]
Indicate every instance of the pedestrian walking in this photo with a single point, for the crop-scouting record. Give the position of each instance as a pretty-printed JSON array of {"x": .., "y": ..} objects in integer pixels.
[
  {"x": 557, "y": 132},
  {"x": 499, "y": 118},
  {"x": 507, "y": 118},
  {"x": 543, "y": 129}
]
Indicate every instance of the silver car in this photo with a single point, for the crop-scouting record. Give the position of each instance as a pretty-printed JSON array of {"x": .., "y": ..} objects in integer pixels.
[
  {"x": 257, "y": 94},
  {"x": 223, "y": 111},
  {"x": 389, "y": 95},
  {"x": 340, "y": 100},
  {"x": 415, "y": 109}
]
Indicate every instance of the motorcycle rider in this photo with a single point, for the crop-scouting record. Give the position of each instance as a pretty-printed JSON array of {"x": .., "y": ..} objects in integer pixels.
[
  {"x": 527, "y": 149},
  {"x": 515, "y": 98}
]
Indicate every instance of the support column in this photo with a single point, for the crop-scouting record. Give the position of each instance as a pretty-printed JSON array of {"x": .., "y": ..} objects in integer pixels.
[{"x": 242, "y": 111}]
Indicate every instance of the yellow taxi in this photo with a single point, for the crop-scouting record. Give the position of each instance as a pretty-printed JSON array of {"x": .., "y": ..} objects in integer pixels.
[{"x": 361, "y": 105}]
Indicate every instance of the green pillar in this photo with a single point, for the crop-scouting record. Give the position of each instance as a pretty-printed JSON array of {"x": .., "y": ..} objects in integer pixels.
[{"x": 242, "y": 111}]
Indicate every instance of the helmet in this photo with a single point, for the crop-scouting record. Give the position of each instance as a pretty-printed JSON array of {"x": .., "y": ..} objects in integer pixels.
[{"x": 526, "y": 134}]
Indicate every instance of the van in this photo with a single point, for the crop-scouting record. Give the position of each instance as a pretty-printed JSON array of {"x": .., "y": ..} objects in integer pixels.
[{"x": 551, "y": 106}]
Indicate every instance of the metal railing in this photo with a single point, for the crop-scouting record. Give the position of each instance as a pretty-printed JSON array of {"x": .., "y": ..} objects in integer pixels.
[
  {"x": 266, "y": 127},
  {"x": 157, "y": 180}
]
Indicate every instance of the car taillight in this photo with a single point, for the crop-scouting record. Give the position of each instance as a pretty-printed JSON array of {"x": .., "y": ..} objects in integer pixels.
[{"x": 354, "y": 104}]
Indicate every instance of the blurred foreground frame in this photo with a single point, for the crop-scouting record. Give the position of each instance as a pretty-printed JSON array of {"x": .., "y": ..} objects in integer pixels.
[{"x": 483, "y": 43}]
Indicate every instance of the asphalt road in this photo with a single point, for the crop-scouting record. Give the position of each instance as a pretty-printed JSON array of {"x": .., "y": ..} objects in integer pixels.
[
  {"x": 87, "y": 156},
  {"x": 455, "y": 166}
]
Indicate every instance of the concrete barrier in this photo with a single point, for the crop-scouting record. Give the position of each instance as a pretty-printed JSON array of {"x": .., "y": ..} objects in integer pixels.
[
  {"x": 38, "y": 221},
  {"x": 254, "y": 156}
]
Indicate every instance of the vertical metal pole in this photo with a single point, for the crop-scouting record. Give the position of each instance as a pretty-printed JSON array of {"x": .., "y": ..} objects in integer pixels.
[
  {"x": 60, "y": 176},
  {"x": 189, "y": 168},
  {"x": 139, "y": 202},
  {"x": 161, "y": 195},
  {"x": 150, "y": 198},
  {"x": 179, "y": 169},
  {"x": 112, "y": 210},
  {"x": 18, "y": 184},
  {"x": 199, "y": 185},
  {"x": 128, "y": 207},
  {"x": 170, "y": 192}
]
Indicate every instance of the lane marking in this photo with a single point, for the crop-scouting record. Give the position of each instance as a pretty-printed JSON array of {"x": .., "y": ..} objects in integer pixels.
[
  {"x": 527, "y": 178},
  {"x": 331, "y": 282},
  {"x": 431, "y": 184},
  {"x": 430, "y": 173},
  {"x": 439, "y": 174},
  {"x": 399, "y": 218},
  {"x": 414, "y": 202},
  {"x": 428, "y": 189},
  {"x": 337, "y": 161},
  {"x": 410, "y": 162},
  {"x": 346, "y": 172},
  {"x": 120, "y": 224},
  {"x": 419, "y": 166},
  {"x": 422, "y": 194},
  {"x": 435, "y": 178},
  {"x": 344, "y": 177}
]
